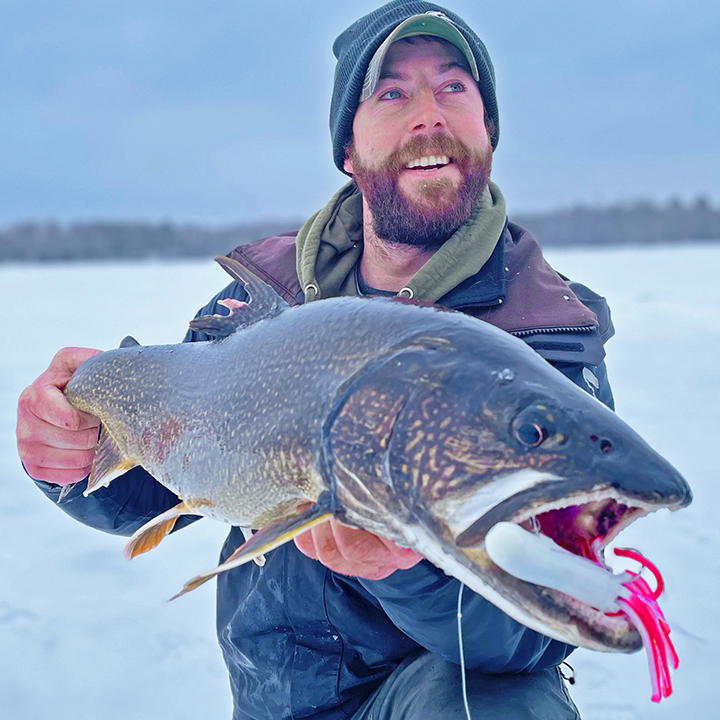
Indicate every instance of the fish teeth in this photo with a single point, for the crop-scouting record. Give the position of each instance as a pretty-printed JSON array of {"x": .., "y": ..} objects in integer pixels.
[{"x": 429, "y": 160}]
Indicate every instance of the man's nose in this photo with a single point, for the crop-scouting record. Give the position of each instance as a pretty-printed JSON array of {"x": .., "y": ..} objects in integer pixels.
[{"x": 425, "y": 113}]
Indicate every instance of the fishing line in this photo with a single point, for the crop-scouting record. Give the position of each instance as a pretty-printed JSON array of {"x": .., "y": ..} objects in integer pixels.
[{"x": 462, "y": 652}]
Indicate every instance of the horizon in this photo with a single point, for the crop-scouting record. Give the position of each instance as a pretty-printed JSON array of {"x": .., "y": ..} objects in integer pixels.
[{"x": 671, "y": 203}]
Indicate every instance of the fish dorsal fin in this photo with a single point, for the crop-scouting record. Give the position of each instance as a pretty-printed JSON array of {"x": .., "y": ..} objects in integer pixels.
[
  {"x": 109, "y": 462},
  {"x": 129, "y": 341},
  {"x": 264, "y": 303},
  {"x": 268, "y": 539}
]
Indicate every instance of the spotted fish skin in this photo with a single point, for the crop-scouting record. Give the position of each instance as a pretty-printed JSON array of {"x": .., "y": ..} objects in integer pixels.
[
  {"x": 239, "y": 421},
  {"x": 414, "y": 423}
]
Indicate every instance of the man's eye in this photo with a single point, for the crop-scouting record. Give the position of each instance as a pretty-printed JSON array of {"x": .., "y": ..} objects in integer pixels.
[
  {"x": 391, "y": 95},
  {"x": 454, "y": 87}
]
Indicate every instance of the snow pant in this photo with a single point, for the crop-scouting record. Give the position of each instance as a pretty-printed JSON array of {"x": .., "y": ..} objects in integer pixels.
[{"x": 428, "y": 687}]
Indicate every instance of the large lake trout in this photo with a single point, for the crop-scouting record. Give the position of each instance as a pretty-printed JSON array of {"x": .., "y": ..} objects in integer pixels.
[{"x": 427, "y": 427}]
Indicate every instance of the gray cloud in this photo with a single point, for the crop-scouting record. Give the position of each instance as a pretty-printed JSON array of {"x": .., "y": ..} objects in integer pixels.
[{"x": 217, "y": 111}]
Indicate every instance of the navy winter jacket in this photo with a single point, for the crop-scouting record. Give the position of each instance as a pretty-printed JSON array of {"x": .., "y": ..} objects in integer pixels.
[{"x": 301, "y": 641}]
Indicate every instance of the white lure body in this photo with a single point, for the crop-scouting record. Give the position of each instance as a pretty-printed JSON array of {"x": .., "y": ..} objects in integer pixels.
[{"x": 535, "y": 558}]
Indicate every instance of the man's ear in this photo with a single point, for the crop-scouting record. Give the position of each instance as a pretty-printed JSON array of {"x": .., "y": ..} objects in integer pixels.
[{"x": 347, "y": 151}]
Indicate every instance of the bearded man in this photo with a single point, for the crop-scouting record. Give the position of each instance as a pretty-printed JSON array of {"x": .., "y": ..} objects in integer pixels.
[{"x": 342, "y": 623}]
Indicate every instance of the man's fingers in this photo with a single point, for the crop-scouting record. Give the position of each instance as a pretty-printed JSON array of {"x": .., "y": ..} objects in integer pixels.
[
  {"x": 58, "y": 476},
  {"x": 357, "y": 545},
  {"x": 351, "y": 551},
  {"x": 404, "y": 557},
  {"x": 47, "y": 402},
  {"x": 46, "y": 433},
  {"x": 325, "y": 546},
  {"x": 54, "y": 439},
  {"x": 44, "y": 456},
  {"x": 305, "y": 544},
  {"x": 44, "y": 399},
  {"x": 356, "y": 552},
  {"x": 65, "y": 363}
]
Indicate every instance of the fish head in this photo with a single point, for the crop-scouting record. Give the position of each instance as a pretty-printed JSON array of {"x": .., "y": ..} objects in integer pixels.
[
  {"x": 523, "y": 444},
  {"x": 464, "y": 439}
]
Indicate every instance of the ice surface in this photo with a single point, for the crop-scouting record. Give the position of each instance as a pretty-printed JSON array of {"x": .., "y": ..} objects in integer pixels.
[{"x": 85, "y": 634}]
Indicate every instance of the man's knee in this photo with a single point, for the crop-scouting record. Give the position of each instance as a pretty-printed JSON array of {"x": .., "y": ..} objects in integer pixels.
[{"x": 429, "y": 687}]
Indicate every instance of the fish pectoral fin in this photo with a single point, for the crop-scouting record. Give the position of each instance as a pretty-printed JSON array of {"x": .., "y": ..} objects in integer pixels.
[
  {"x": 266, "y": 540},
  {"x": 152, "y": 532},
  {"x": 109, "y": 462}
]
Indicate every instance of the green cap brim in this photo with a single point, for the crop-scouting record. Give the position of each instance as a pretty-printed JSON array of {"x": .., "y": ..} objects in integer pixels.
[{"x": 426, "y": 24}]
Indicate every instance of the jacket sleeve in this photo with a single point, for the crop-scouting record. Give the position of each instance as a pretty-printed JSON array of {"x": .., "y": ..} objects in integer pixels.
[
  {"x": 135, "y": 497},
  {"x": 122, "y": 507},
  {"x": 422, "y": 602}
]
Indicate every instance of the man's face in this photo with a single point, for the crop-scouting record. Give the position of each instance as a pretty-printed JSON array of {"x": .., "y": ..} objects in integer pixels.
[{"x": 421, "y": 154}]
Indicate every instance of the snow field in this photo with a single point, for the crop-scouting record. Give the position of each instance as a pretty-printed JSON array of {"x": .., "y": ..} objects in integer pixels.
[{"x": 85, "y": 634}]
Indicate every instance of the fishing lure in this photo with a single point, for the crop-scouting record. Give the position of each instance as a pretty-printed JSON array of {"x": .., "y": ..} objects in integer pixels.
[{"x": 536, "y": 558}]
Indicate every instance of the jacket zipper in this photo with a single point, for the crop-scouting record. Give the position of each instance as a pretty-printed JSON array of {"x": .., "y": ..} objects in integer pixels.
[{"x": 549, "y": 331}]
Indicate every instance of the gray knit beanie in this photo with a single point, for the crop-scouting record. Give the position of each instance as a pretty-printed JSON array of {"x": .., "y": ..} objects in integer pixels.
[{"x": 355, "y": 48}]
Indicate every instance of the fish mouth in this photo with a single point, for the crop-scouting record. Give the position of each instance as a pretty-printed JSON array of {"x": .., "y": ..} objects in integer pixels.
[
  {"x": 585, "y": 527},
  {"x": 583, "y": 523}
]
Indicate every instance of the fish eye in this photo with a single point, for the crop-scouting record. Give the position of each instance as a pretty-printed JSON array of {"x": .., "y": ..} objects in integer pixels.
[
  {"x": 533, "y": 426},
  {"x": 531, "y": 434}
]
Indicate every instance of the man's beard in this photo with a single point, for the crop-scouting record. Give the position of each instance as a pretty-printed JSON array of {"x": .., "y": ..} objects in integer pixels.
[{"x": 443, "y": 206}]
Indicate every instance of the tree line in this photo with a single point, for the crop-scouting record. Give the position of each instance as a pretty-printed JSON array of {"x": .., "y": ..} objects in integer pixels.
[
  {"x": 640, "y": 223},
  {"x": 50, "y": 241}
]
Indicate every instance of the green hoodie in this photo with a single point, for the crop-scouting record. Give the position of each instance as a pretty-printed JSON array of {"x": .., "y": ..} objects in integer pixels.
[{"x": 330, "y": 244}]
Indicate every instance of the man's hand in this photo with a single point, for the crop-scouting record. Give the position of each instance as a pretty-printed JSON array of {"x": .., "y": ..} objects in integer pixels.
[
  {"x": 55, "y": 441},
  {"x": 355, "y": 552}
]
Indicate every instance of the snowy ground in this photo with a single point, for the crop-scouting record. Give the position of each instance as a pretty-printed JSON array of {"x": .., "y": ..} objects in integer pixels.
[{"x": 84, "y": 634}]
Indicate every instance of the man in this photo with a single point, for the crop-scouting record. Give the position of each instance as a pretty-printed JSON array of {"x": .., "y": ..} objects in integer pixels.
[{"x": 344, "y": 624}]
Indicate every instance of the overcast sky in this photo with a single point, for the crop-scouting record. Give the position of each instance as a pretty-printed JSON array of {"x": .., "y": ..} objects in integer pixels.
[{"x": 216, "y": 110}]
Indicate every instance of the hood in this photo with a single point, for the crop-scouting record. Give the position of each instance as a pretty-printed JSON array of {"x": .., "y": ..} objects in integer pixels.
[{"x": 331, "y": 241}]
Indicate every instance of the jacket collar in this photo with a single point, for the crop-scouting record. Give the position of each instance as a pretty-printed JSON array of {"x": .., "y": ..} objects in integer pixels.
[
  {"x": 486, "y": 287},
  {"x": 330, "y": 244}
]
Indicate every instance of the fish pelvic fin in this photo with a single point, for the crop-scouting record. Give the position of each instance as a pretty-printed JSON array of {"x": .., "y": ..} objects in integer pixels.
[
  {"x": 267, "y": 539},
  {"x": 152, "y": 532},
  {"x": 264, "y": 303},
  {"x": 109, "y": 462},
  {"x": 65, "y": 491}
]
